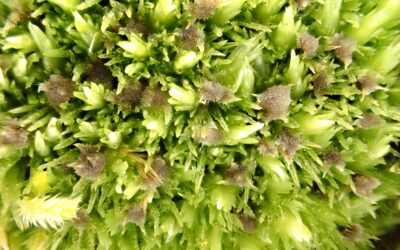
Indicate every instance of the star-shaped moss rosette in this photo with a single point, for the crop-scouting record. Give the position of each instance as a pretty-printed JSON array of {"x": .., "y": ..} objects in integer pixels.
[{"x": 205, "y": 124}]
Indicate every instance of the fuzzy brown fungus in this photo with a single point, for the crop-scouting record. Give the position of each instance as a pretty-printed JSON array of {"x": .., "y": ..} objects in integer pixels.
[
  {"x": 367, "y": 83},
  {"x": 308, "y": 44},
  {"x": 58, "y": 90},
  {"x": 191, "y": 37},
  {"x": 204, "y": 9},
  {"x": 237, "y": 175},
  {"x": 249, "y": 223},
  {"x": 208, "y": 135},
  {"x": 275, "y": 101},
  {"x": 266, "y": 148},
  {"x": 344, "y": 48},
  {"x": 91, "y": 162},
  {"x": 370, "y": 121},
  {"x": 353, "y": 233},
  {"x": 98, "y": 72},
  {"x": 12, "y": 134},
  {"x": 138, "y": 25},
  {"x": 154, "y": 97},
  {"x": 157, "y": 174},
  {"x": 302, "y": 4},
  {"x": 19, "y": 13},
  {"x": 288, "y": 142},
  {"x": 364, "y": 184},
  {"x": 130, "y": 96},
  {"x": 137, "y": 214},
  {"x": 81, "y": 220},
  {"x": 333, "y": 158},
  {"x": 213, "y": 92},
  {"x": 321, "y": 83}
]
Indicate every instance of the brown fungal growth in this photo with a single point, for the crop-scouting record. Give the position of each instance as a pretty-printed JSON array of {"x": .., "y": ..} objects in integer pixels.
[
  {"x": 208, "y": 135},
  {"x": 191, "y": 37},
  {"x": 19, "y": 13},
  {"x": 370, "y": 121},
  {"x": 157, "y": 173},
  {"x": 82, "y": 220},
  {"x": 138, "y": 25},
  {"x": 308, "y": 44},
  {"x": 367, "y": 83},
  {"x": 288, "y": 143},
  {"x": 204, "y": 9},
  {"x": 321, "y": 83},
  {"x": 302, "y": 4},
  {"x": 275, "y": 101},
  {"x": 237, "y": 175},
  {"x": 12, "y": 134},
  {"x": 333, "y": 158},
  {"x": 249, "y": 223},
  {"x": 130, "y": 96},
  {"x": 213, "y": 92},
  {"x": 266, "y": 147},
  {"x": 344, "y": 48},
  {"x": 364, "y": 185},
  {"x": 154, "y": 97},
  {"x": 58, "y": 90},
  {"x": 353, "y": 233},
  {"x": 98, "y": 72},
  {"x": 91, "y": 162},
  {"x": 137, "y": 214}
]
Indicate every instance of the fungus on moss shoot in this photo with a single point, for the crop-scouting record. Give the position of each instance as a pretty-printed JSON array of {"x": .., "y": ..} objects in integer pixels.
[
  {"x": 204, "y": 9},
  {"x": 91, "y": 162},
  {"x": 275, "y": 101},
  {"x": 58, "y": 90},
  {"x": 308, "y": 44}
]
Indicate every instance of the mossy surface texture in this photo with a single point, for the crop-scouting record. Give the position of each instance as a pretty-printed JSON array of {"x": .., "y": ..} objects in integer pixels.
[{"x": 206, "y": 124}]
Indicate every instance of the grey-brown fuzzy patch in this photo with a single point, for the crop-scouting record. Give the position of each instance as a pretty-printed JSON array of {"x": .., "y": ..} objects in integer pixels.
[
  {"x": 308, "y": 43},
  {"x": 367, "y": 83},
  {"x": 249, "y": 223},
  {"x": 354, "y": 232},
  {"x": 12, "y": 134},
  {"x": 98, "y": 72},
  {"x": 275, "y": 101},
  {"x": 137, "y": 214},
  {"x": 130, "y": 96},
  {"x": 302, "y": 4},
  {"x": 154, "y": 97},
  {"x": 58, "y": 90},
  {"x": 137, "y": 25},
  {"x": 289, "y": 143},
  {"x": 82, "y": 220},
  {"x": 204, "y": 9},
  {"x": 344, "y": 48},
  {"x": 365, "y": 184},
  {"x": 370, "y": 121},
  {"x": 266, "y": 147},
  {"x": 333, "y": 158},
  {"x": 208, "y": 135},
  {"x": 213, "y": 92},
  {"x": 91, "y": 162},
  {"x": 157, "y": 174},
  {"x": 191, "y": 37},
  {"x": 19, "y": 13},
  {"x": 237, "y": 175},
  {"x": 321, "y": 83}
]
